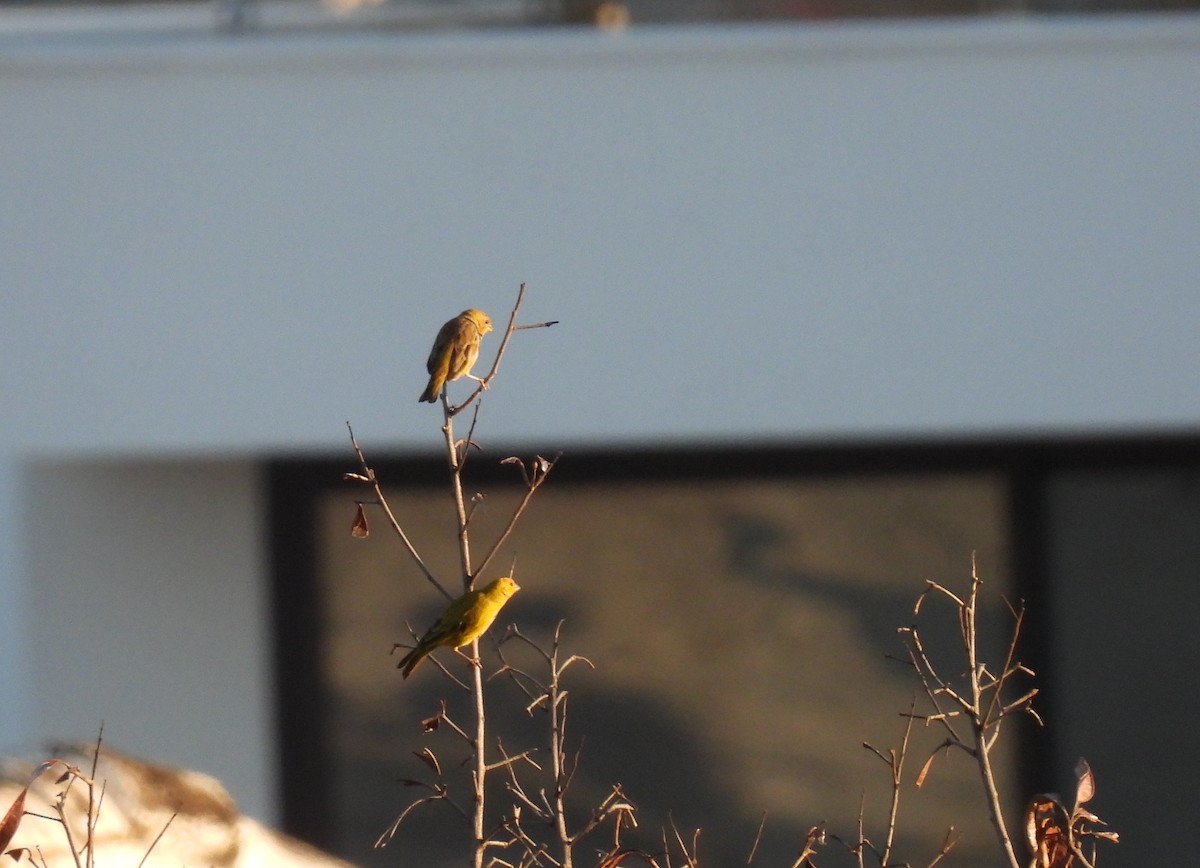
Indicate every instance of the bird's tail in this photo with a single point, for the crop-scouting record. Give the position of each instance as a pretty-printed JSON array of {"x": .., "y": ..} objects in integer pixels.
[
  {"x": 430, "y": 394},
  {"x": 410, "y": 661},
  {"x": 438, "y": 375}
]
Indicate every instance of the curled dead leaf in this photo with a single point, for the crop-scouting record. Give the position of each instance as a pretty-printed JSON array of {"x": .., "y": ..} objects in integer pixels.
[
  {"x": 1085, "y": 782},
  {"x": 12, "y": 817},
  {"x": 12, "y": 820},
  {"x": 920, "y": 781},
  {"x": 360, "y": 529},
  {"x": 1047, "y": 832}
]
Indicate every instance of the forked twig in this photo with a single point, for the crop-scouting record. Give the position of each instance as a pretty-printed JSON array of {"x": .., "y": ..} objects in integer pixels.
[
  {"x": 980, "y": 704},
  {"x": 533, "y": 480},
  {"x": 486, "y": 381}
]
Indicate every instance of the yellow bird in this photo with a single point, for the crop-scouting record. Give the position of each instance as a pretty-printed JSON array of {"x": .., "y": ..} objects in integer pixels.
[
  {"x": 455, "y": 351},
  {"x": 464, "y": 621}
]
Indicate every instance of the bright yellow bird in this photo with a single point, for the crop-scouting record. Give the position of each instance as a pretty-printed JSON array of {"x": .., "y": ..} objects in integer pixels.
[
  {"x": 455, "y": 351},
  {"x": 464, "y": 621}
]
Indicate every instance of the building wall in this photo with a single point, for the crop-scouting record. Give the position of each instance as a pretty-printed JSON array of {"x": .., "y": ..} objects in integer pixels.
[
  {"x": 220, "y": 248},
  {"x": 148, "y": 614},
  {"x": 233, "y": 244}
]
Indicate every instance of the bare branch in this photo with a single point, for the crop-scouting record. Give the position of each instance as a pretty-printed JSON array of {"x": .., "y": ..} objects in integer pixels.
[
  {"x": 439, "y": 795},
  {"x": 486, "y": 382},
  {"x": 510, "y": 760},
  {"x": 980, "y": 723},
  {"x": 157, "y": 838},
  {"x": 816, "y": 836},
  {"x": 534, "y": 482},
  {"x": 947, "y": 845},
  {"x": 368, "y": 476},
  {"x": 757, "y": 839},
  {"x": 947, "y": 592}
]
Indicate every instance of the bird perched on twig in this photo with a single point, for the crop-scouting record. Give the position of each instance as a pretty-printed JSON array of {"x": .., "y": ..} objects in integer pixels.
[
  {"x": 455, "y": 351},
  {"x": 464, "y": 621}
]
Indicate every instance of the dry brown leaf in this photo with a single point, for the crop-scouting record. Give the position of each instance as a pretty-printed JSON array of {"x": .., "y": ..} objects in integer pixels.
[
  {"x": 1046, "y": 832},
  {"x": 925, "y": 770},
  {"x": 360, "y": 529},
  {"x": 1085, "y": 787},
  {"x": 12, "y": 818}
]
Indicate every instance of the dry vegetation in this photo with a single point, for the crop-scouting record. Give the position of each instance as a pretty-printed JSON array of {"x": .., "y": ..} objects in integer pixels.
[{"x": 536, "y": 823}]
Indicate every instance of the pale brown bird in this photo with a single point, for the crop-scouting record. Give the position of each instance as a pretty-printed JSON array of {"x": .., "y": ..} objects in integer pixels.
[{"x": 455, "y": 351}]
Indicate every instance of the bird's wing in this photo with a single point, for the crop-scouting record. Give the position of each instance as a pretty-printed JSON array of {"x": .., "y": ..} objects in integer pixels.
[
  {"x": 457, "y": 618},
  {"x": 444, "y": 336}
]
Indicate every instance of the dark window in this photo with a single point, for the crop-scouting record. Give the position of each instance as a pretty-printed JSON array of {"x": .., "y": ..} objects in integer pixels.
[{"x": 740, "y": 605}]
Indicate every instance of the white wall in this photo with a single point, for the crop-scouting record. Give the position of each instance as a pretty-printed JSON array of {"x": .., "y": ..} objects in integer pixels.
[
  {"x": 149, "y": 614},
  {"x": 16, "y": 712},
  {"x": 931, "y": 227},
  {"x": 230, "y": 246}
]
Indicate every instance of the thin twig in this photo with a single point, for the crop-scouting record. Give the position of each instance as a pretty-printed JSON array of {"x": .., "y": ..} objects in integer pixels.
[
  {"x": 480, "y": 773},
  {"x": 980, "y": 725},
  {"x": 947, "y": 845},
  {"x": 460, "y": 508},
  {"x": 558, "y": 735},
  {"x": 897, "y": 768},
  {"x": 542, "y": 469},
  {"x": 368, "y": 476},
  {"x": 757, "y": 839},
  {"x": 515, "y": 758},
  {"x": 158, "y": 837},
  {"x": 60, "y": 810},
  {"x": 1008, "y": 664},
  {"x": 439, "y": 795},
  {"x": 815, "y": 837},
  {"x": 93, "y": 812},
  {"x": 485, "y": 382}
]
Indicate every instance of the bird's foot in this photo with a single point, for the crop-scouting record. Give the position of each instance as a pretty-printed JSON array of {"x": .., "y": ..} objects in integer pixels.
[{"x": 474, "y": 661}]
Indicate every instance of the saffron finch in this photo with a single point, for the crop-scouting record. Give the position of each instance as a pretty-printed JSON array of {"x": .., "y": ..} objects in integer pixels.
[
  {"x": 464, "y": 621},
  {"x": 455, "y": 351}
]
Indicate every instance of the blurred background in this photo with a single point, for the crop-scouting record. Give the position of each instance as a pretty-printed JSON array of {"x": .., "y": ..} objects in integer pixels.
[{"x": 848, "y": 293}]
